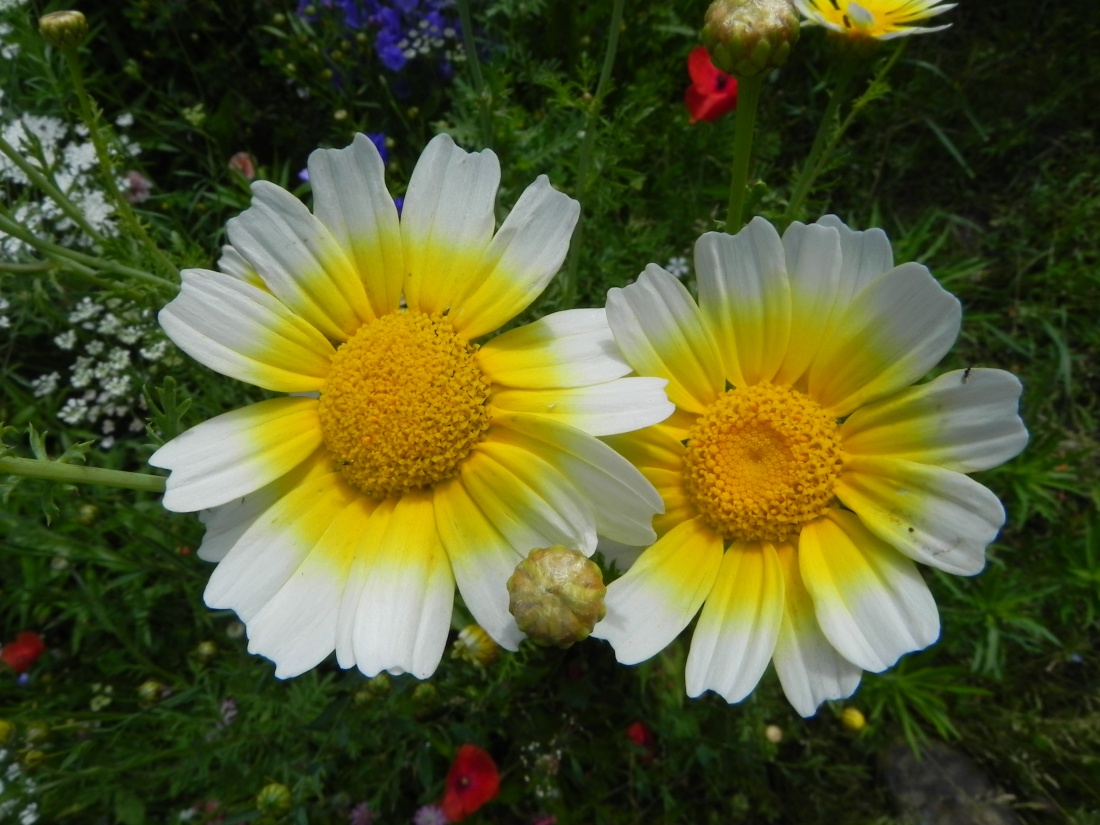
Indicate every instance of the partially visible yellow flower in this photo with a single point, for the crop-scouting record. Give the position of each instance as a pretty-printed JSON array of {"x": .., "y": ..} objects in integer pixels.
[
  {"x": 877, "y": 19},
  {"x": 476, "y": 646}
]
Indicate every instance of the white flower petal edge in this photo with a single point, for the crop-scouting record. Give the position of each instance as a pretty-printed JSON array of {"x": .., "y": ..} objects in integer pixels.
[
  {"x": 300, "y": 261},
  {"x": 238, "y": 452},
  {"x": 966, "y": 420},
  {"x": 482, "y": 560},
  {"x": 870, "y": 601},
  {"x": 526, "y": 252},
  {"x": 737, "y": 630},
  {"x": 571, "y": 348},
  {"x": 661, "y": 592},
  {"x": 935, "y": 516},
  {"x": 244, "y": 332},
  {"x": 351, "y": 199},
  {"x": 745, "y": 294},
  {"x": 661, "y": 332},
  {"x": 613, "y": 407},
  {"x": 447, "y": 223},
  {"x": 810, "y": 669}
]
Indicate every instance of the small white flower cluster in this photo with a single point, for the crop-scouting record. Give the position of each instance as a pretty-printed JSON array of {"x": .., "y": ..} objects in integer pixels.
[
  {"x": 428, "y": 38},
  {"x": 16, "y": 793},
  {"x": 678, "y": 267},
  {"x": 67, "y": 157},
  {"x": 118, "y": 345}
]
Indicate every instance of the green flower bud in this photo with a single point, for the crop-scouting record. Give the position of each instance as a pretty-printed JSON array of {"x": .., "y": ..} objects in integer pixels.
[
  {"x": 273, "y": 799},
  {"x": 36, "y": 732},
  {"x": 150, "y": 691},
  {"x": 63, "y": 29},
  {"x": 556, "y": 596},
  {"x": 33, "y": 758},
  {"x": 746, "y": 38},
  {"x": 204, "y": 652}
]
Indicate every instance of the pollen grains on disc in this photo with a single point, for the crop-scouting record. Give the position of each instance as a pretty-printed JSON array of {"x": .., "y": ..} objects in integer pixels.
[
  {"x": 404, "y": 403},
  {"x": 761, "y": 462}
]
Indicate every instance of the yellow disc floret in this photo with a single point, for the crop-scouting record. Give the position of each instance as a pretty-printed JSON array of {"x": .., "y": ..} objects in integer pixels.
[
  {"x": 404, "y": 403},
  {"x": 761, "y": 462}
]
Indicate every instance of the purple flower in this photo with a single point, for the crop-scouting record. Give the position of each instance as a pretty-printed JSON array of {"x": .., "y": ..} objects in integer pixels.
[
  {"x": 361, "y": 815},
  {"x": 429, "y": 815},
  {"x": 379, "y": 141}
]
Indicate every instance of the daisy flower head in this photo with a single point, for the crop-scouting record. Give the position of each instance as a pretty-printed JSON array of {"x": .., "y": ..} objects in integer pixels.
[
  {"x": 873, "y": 19},
  {"x": 803, "y": 472},
  {"x": 400, "y": 459}
]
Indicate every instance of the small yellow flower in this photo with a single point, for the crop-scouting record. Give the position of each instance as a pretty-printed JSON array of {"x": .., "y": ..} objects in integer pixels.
[{"x": 876, "y": 19}]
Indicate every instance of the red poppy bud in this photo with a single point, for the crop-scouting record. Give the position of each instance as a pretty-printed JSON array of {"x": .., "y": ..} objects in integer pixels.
[{"x": 472, "y": 781}]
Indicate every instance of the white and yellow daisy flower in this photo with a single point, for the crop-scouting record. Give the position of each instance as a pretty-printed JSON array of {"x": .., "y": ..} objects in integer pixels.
[
  {"x": 877, "y": 19},
  {"x": 802, "y": 475},
  {"x": 401, "y": 459}
]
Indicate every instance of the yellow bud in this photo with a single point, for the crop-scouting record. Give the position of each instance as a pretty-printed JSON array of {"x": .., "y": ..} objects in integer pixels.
[
  {"x": 774, "y": 734},
  {"x": 36, "y": 732},
  {"x": 63, "y": 29},
  {"x": 150, "y": 691},
  {"x": 7, "y": 731},
  {"x": 556, "y": 596},
  {"x": 476, "y": 646},
  {"x": 205, "y": 651},
  {"x": 853, "y": 719},
  {"x": 273, "y": 799},
  {"x": 746, "y": 38},
  {"x": 33, "y": 758}
]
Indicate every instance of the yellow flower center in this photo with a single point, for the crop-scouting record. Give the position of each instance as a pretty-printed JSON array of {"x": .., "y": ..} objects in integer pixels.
[
  {"x": 404, "y": 404},
  {"x": 761, "y": 462}
]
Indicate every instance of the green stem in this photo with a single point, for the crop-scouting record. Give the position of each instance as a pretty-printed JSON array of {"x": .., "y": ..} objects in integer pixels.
[
  {"x": 569, "y": 279},
  {"x": 71, "y": 256},
  {"x": 79, "y": 474},
  {"x": 106, "y": 167},
  {"x": 484, "y": 93},
  {"x": 748, "y": 98},
  {"x": 46, "y": 186}
]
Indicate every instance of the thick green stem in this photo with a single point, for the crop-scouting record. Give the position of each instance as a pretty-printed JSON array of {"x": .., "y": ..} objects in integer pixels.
[
  {"x": 569, "y": 278},
  {"x": 484, "y": 93},
  {"x": 106, "y": 167},
  {"x": 79, "y": 474},
  {"x": 748, "y": 98},
  {"x": 46, "y": 186},
  {"x": 71, "y": 256}
]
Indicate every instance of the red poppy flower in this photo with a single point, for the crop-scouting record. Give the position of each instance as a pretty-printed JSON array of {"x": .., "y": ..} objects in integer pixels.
[
  {"x": 20, "y": 654},
  {"x": 712, "y": 92},
  {"x": 472, "y": 781},
  {"x": 640, "y": 734}
]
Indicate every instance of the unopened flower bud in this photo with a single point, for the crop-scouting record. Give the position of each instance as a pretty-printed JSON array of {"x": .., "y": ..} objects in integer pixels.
[
  {"x": 7, "y": 731},
  {"x": 476, "y": 646},
  {"x": 150, "y": 691},
  {"x": 33, "y": 758},
  {"x": 204, "y": 652},
  {"x": 273, "y": 799},
  {"x": 556, "y": 596},
  {"x": 36, "y": 732},
  {"x": 853, "y": 719},
  {"x": 746, "y": 38},
  {"x": 774, "y": 734},
  {"x": 63, "y": 29}
]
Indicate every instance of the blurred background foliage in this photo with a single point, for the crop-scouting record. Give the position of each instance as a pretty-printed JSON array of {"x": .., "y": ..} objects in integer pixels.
[{"x": 980, "y": 160}]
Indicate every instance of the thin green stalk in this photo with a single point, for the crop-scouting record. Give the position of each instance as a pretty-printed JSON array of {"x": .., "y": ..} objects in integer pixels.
[
  {"x": 484, "y": 93},
  {"x": 569, "y": 278},
  {"x": 46, "y": 186},
  {"x": 79, "y": 474},
  {"x": 748, "y": 98},
  {"x": 61, "y": 253},
  {"x": 122, "y": 206}
]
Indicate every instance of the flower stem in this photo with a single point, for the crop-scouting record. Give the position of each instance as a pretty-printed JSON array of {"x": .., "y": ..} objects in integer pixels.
[
  {"x": 569, "y": 278},
  {"x": 79, "y": 259},
  {"x": 748, "y": 98},
  {"x": 484, "y": 93},
  {"x": 79, "y": 474},
  {"x": 106, "y": 167}
]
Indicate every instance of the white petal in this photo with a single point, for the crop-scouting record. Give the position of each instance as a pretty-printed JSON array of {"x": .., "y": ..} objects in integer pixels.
[
  {"x": 813, "y": 265},
  {"x": 572, "y": 348},
  {"x": 661, "y": 593},
  {"x": 662, "y": 333},
  {"x": 865, "y": 256},
  {"x": 244, "y": 332},
  {"x": 736, "y": 632},
  {"x": 237, "y": 453},
  {"x": 870, "y": 601},
  {"x": 935, "y": 516},
  {"x": 966, "y": 420},
  {"x": 745, "y": 295}
]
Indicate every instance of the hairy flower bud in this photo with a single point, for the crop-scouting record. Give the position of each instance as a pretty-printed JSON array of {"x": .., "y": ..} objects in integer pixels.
[
  {"x": 746, "y": 38},
  {"x": 63, "y": 29},
  {"x": 556, "y": 596}
]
